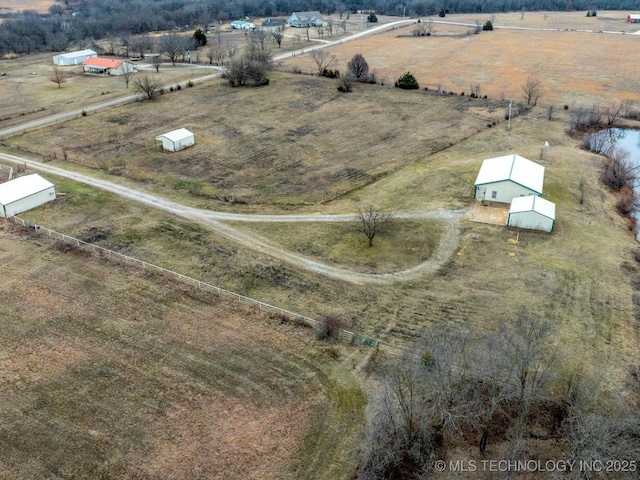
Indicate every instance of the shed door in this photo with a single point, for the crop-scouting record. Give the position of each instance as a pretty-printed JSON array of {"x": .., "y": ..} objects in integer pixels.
[{"x": 481, "y": 192}]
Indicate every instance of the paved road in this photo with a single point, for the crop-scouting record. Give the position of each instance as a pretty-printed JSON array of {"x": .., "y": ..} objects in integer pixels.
[{"x": 214, "y": 220}]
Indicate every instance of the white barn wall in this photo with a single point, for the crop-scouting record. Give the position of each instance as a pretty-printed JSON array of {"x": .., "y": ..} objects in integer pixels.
[
  {"x": 174, "y": 146},
  {"x": 63, "y": 60},
  {"x": 530, "y": 220},
  {"x": 506, "y": 189},
  {"x": 27, "y": 203}
]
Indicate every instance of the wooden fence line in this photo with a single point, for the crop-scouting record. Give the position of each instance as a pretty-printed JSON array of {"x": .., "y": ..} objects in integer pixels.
[{"x": 343, "y": 334}]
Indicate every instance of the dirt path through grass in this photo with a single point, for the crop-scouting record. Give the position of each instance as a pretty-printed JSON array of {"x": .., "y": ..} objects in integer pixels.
[{"x": 214, "y": 220}]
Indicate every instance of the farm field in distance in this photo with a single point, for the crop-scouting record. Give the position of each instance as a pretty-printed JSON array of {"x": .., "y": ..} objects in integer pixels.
[
  {"x": 574, "y": 67},
  {"x": 10, "y": 6},
  {"x": 194, "y": 374}
]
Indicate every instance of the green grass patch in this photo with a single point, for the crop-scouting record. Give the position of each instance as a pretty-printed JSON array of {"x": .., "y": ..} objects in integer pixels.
[{"x": 402, "y": 244}]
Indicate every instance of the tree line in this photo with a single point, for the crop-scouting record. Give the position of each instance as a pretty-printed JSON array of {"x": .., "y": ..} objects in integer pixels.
[
  {"x": 506, "y": 392},
  {"x": 71, "y": 21}
]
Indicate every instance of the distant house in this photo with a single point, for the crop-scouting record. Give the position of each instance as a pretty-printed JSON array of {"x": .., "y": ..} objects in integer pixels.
[
  {"x": 273, "y": 22},
  {"x": 24, "y": 193},
  {"x": 176, "y": 140},
  {"x": 503, "y": 178},
  {"x": 533, "y": 213},
  {"x": 306, "y": 19},
  {"x": 242, "y": 25},
  {"x": 107, "y": 66},
  {"x": 73, "y": 58},
  {"x": 633, "y": 18}
]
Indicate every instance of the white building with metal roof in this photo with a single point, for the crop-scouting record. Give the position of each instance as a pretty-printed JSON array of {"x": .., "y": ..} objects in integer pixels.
[
  {"x": 176, "y": 139},
  {"x": 73, "y": 58},
  {"x": 24, "y": 193},
  {"x": 533, "y": 213},
  {"x": 501, "y": 179}
]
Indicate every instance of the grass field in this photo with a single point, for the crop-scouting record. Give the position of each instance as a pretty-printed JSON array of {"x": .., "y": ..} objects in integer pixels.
[
  {"x": 12, "y": 6},
  {"x": 299, "y": 149},
  {"x": 129, "y": 376},
  {"x": 574, "y": 67},
  {"x": 29, "y": 93},
  {"x": 213, "y": 377}
]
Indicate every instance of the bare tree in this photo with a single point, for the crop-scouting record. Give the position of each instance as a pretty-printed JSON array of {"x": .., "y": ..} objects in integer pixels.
[
  {"x": 278, "y": 34},
  {"x": 343, "y": 25},
  {"x": 345, "y": 83},
  {"x": 423, "y": 29},
  {"x": 216, "y": 54},
  {"x": 244, "y": 70},
  {"x": 619, "y": 171},
  {"x": 324, "y": 60},
  {"x": 232, "y": 49},
  {"x": 532, "y": 90},
  {"x": 328, "y": 327},
  {"x": 127, "y": 73},
  {"x": 426, "y": 400},
  {"x": 341, "y": 8},
  {"x": 259, "y": 46},
  {"x": 156, "y": 61},
  {"x": 611, "y": 113},
  {"x": 330, "y": 26},
  {"x": 142, "y": 44},
  {"x": 358, "y": 67},
  {"x": 173, "y": 46},
  {"x": 373, "y": 221},
  {"x": 147, "y": 85},
  {"x": 125, "y": 41},
  {"x": 112, "y": 43},
  {"x": 58, "y": 76}
]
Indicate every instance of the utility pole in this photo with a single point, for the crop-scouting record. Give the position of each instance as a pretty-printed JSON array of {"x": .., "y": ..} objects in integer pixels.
[{"x": 509, "y": 120}]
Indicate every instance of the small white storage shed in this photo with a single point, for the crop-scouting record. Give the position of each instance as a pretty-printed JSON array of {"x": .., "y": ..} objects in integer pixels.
[
  {"x": 532, "y": 212},
  {"x": 24, "y": 193},
  {"x": 73, "y": 58},
  {"x": 503, "y": 178},
  {"x": 176, "y": 140}
]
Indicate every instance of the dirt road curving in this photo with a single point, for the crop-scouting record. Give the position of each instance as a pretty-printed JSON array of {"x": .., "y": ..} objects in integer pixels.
[{"x": 215, "y": 221}]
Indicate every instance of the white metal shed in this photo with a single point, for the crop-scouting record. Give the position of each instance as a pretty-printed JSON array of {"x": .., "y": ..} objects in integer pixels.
[
  {"x": 176, "y": 140},
  {"x": 24, "y": 193},
  {"x": 533, "y": 213},
  {"x": 503, "y": 178},
  {"x": 73, "y": 58}
]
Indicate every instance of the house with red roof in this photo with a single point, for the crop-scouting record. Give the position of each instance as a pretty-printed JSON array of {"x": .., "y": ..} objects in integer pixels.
[{"x": 107, "y": 66}]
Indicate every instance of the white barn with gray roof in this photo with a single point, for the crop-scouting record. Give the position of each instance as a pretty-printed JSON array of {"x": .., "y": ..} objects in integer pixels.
[
  {"x": 501, "y": 179},
  {"x": 176, "y": 139},
  {"x": 73, "y": 58},
  {"x": 24, "y": 193},
  {"x": 533, "y": 213}
]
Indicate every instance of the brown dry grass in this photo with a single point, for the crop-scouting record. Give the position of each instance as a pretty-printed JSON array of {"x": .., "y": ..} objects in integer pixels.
[
  {"x": 107, "y": 372},
  {"x": 581, "y": 278},
  {"x": 28, "y": 92},
  {"x": 288, "y": 143},
  {"x": 12, "y": 6},
  {"x": 574, "y": 67}
]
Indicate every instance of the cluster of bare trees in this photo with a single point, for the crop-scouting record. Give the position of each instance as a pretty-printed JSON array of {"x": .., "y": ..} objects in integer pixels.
[
  {"x": 252, "y": 66},
  {"x": 619, "y": 171},
  {"x": 458, "y": 386},
  {"x": 596, "y": 117}
]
